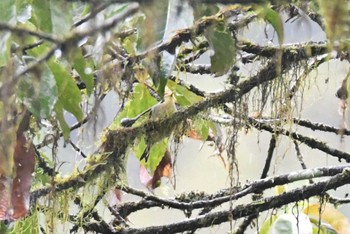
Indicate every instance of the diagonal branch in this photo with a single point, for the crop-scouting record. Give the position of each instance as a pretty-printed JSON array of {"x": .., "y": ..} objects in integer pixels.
[
  {"x": 117, "y": 141},
  {"x": 310, "y": 142}
]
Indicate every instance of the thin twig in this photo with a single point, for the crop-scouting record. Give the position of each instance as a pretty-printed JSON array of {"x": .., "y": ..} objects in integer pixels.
[
  {"x": 310, "y": 142},
  {"x": 76, "y": 148},
  {"x": 272, "y": 147}
]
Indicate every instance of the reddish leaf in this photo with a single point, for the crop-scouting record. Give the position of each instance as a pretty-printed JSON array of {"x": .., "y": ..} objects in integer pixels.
[
  {"x": 194, "y": 134},
  {"x": 164, "y": 169},
  {"x": 24, "y": 162},
  {"x": 4, "y": 197},
  {"x": 15, "y": 188},
  {"x": 115, "y": 198},
  {"x": 118, "y": 194}
]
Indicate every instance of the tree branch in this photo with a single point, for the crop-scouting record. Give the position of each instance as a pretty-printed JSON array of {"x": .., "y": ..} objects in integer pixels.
[
  {"x": 224, "y": 196},
  {"x": 21, "y": 31},
  {"x": 310, "y": 142},
  {"x": 272, "y": 147},
  {"x": 254, "y": 208},
  {"x": 117, "y": 141}
]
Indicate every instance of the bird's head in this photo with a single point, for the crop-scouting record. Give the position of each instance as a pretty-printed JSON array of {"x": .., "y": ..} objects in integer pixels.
[{"x": 169, "y": 95}]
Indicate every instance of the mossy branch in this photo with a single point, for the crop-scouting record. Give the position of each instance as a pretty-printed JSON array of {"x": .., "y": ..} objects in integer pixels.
[{"x": 254, "y": 208}]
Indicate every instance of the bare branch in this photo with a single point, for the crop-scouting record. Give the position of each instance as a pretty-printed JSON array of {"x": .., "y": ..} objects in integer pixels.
[
  {"x": 254, "y": 208},
  {"x": 224, "y": 196},
  {"x": 310, "y": 142},
  {"x": 272, "y": 147}
]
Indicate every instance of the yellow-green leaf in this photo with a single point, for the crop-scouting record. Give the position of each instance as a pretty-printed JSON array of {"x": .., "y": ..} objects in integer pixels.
[
  {"x": 60, "y": 117},
  {"x": 52, "y": 16},
  {"x": 271, "y": 16},
  {"x": 156, "y": 153},
  {"x": 184, "y": 97},
  {"x": 84, "y": 70},
  {"x": 7, "y": 15},
  {"x": 68, "y": 93},
  {"x": 267, "y": 224},
  {"x": 140, "y": 101}
]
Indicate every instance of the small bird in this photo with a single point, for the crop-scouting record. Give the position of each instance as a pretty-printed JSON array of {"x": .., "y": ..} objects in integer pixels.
[
  {"x": 164, "y": 108},
  {"x": 160, "y": 111}
]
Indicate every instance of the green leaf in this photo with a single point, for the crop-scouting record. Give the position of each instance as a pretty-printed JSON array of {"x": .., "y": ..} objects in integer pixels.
[
  {"x": 82, "y": 68},
  {"x": 42, "y": 15},
  {"x": 4, "y": 228},
  {"x": 61, "y": 16},
  {"x": 129, "y": 44},
  {"x": 141, "y": 100},
  {"x": 156, "y": 153},
  {"x": 325, "y": 228},
  {"x": 116, "y": 10},
  {"x": 86, "y": 10},
  {"x": 69, "y": 95},
  {"x": 223, "y": 44},
  {"x": 162, "y": 80},
  {"x": 41, "y": 178},
  {"x": 271, "y": 16},
  {"x": 39, "y": 94},
  {"x": 8, "y": 11},
  {"x": 202, "y": 128},
  {"x": 52, "y": 16},
  {"x": 7, "y": 15},
  {"x": 139, "y": 147},
  {"x": 267, "y": 224},
  {"x": 29, "y": 225},
  {"x": 184, "y": 97},
  {"x": 60, "y": 116}
]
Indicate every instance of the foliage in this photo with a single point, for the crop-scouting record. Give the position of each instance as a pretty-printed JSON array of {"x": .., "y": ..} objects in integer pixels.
[{"x": 59, "y": 60}]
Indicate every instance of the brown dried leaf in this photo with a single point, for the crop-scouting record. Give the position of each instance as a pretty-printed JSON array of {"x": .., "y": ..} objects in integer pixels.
[
  {"x": 193, "y": 134},
  {"x": 164, "y": 169},
  {"x": 4, "y": 197},
  {"x": 24, "y": 163},
  {"x": 15, "y": 187}
]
